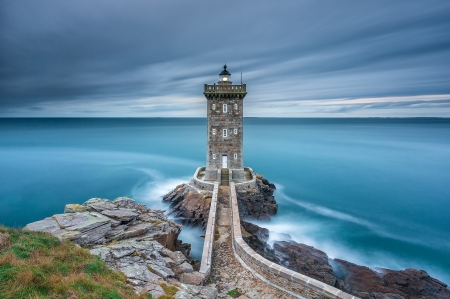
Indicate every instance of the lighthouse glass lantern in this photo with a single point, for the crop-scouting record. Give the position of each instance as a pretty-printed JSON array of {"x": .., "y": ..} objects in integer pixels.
[{"x": 225, "y": 75}]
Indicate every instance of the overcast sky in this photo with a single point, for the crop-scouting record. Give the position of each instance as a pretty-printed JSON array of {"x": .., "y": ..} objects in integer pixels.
[{"x": 151, "y": 58}]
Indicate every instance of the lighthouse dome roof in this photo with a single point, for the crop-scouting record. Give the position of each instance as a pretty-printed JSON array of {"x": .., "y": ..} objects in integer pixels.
[{"x": 225, "y": 72}]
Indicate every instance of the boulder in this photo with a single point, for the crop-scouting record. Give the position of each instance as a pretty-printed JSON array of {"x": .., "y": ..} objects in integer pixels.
[
  {"x": 195, "y": 278},
  {"x": 190, "y": 203},
  {"x": 74, "y": 208},
  {"x": 304, "y": 259},
  {"x": 258, "y": 202},
  {"x": 122, "y": 215},
  {"x": 393, "y": 284}
]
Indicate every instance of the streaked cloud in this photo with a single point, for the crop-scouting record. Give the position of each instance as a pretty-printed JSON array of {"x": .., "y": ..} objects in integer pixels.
[{"x": 146, "y": 58}]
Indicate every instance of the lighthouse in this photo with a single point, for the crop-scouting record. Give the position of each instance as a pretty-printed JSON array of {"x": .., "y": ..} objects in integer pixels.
[{"x": 225, "y": 128}]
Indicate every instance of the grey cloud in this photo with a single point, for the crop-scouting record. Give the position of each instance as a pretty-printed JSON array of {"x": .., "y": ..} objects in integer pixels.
[{"x": 108, "y": 51}]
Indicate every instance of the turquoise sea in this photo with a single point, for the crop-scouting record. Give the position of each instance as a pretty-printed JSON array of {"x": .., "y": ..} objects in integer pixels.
[{"x": 372, "y": 191}]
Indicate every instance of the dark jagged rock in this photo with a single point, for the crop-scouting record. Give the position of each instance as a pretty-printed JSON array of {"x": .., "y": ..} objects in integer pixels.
[
  {"x": 386, "y": 283},
  {"x": 258, "y": 202},
  {"x": 350, "y": 278},
  {"x": 297, "y": 257},
  {"x": 190, "y": 203},
  {"x": 256, "y": 237},
  {"x": 304, "y": 259}
]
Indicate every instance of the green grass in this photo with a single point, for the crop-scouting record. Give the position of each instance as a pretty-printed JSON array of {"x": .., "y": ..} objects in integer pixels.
[
  {"x": 233, "y": 293},
  {"x": 37, "y": 265},
  {"x": 169, "y": 290}
]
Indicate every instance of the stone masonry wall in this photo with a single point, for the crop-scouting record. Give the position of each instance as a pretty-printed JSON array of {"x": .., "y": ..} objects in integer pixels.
[
  {"x": 282, "y": 277},
  {"x": 219, "y": 119},
  {"x": 218, "y": 144}
]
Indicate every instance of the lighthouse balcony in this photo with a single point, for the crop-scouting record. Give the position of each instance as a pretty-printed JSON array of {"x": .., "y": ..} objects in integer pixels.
[{"x": 225, "y": 88}]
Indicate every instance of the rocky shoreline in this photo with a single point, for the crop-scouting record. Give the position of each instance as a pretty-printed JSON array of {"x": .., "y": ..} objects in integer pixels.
[
  {"x": 143, "y": 244},
  {"x": 192, "y": 204},
  {"x": 133, "y": 239},
  {"x": 258, "y": 203},
  {"x": 351, "y": 278}
]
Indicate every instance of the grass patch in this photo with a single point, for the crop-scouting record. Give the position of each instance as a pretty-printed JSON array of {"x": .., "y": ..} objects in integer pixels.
[
  {"x": 169, "y": 290},
  {"x": 233, "y": 293},
  {"x": 157, "y": 222},
  {"x": 151, "y": 269},
  {"x": 37, "y": 265}
]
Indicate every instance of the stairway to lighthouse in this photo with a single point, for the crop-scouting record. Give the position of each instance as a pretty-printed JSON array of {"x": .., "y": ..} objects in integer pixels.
[{"x": 224, "y": 177}]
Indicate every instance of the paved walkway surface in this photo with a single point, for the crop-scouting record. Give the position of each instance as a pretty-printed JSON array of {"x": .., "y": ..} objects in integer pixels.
[{"x": 227, "y": 273}]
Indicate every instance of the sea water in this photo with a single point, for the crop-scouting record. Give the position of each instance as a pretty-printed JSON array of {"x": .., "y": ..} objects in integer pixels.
[{"x": 371, "y": 191}]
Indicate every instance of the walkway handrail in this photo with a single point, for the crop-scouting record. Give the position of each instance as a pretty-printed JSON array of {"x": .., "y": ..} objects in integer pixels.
[
  {"x": 205, "y": 266},
  {"x": 282, "y": 278}
]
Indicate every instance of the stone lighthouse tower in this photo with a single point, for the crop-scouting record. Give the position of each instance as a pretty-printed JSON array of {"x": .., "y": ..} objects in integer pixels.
[{"x": 225, "y": 127}]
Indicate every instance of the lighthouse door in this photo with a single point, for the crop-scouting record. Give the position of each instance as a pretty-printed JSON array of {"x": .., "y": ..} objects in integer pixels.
[{"x": 225, "y": 161}]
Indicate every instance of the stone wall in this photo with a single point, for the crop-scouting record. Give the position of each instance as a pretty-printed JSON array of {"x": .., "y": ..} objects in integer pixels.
[
  {"x": 249, "y": 184},
  {"x": 281, "y": 277},
  {"x": 205, "y": 266},
  {"x": 199, "y": 183}
]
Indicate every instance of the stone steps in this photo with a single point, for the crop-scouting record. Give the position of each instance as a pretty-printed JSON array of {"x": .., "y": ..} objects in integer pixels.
[{"x": 224, "y": 177}]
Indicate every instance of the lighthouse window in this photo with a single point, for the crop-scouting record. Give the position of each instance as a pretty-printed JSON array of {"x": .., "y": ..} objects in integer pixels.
[
  {"x": 235, "y": 106},
  {"x": 235, "y": 156},
  {"x": 225, "y": 132},
  {"x": 214, "y": 156},
  {"x": 214, "y": 106},
  {"x": 235, "y": 131},
  {"x": 225, "y": 108},
  {"x": 214, "y": 131}
]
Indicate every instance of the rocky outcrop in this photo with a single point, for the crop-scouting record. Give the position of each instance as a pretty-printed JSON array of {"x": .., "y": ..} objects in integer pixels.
[
  {"x": 257, "y": 202},
  {"x": 289, "y": 254},
  {"x": 133, "y": 239},
  {"x": 304, "y": 259},
  {"x": 100, "y": 220},
  {"x": 190, "y": 204},
  {"x": 256, "y": 237},
  {"x": 351, "y": 278},
  {"x": 384, "y": 283}
]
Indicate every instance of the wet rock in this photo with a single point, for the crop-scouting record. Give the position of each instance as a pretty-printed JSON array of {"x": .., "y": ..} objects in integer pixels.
[
  {"x": 259, "y": 202},
  {"x": 297, "y": 257},
  {"x": 190, "y": 203},
  {"x": 304, "y": 259},
  {"x": 256, "y": 237},
  {"x": 385, "y": 283}
]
